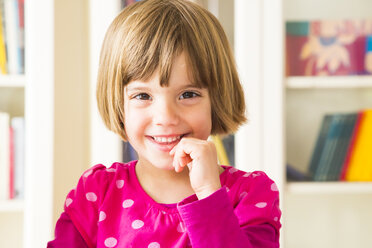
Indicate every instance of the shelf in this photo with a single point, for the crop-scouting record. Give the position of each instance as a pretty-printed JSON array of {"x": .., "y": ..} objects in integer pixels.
[
  {"x": 329, "y": 82},
  {"x": 12, "y": 81},
  {"x": 11, "y": 206},
  {"x": 329, "y": 188}
]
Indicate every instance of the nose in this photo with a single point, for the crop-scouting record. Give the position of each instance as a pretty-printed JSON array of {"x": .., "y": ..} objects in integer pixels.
[{"x": 166, "y": 113}]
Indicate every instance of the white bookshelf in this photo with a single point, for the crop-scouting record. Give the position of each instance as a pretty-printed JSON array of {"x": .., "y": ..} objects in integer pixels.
[
  {"x": 326, "y": 188},
  {"x": 28, "y": 222},
  {"x": 307, "y": 99},
  {"x": 8, "y": 206},
  {"x": 263, "y": 143},
  {"x": 285, "y": 114},
  {"x": 336, "y": 82},
  {"x": 12, "y": 81}
]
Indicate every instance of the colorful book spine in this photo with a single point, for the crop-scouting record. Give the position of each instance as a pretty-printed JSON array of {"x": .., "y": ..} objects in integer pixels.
[
  {"x": 221, "y": 152},
  {"x": 4, "y": 156},
  {"x": 330, "y": 146},
  {"x": 351, "y": 145},
  {"x": 3, "y": 56},
  {"x": 18, "y": 126},
  {"x": 342, "y": 150},
  {"x": 319, "y": 146},
  {"x": 360, "y": 164},
  {"x": 348, "y": 124}
]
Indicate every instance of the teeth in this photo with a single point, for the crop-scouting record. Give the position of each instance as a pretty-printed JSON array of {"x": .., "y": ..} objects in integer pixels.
[{"x": 166, "y": 140}]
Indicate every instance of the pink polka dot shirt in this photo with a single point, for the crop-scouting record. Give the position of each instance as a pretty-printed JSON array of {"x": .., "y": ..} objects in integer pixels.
[{"x": 109, "y": 208}]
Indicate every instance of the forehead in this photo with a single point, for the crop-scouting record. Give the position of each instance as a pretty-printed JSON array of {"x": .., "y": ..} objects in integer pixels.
[{"x": 180, "y": 76}]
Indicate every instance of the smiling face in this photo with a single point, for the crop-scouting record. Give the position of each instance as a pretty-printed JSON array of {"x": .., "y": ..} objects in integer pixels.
[{"x": 157, "y": 118}]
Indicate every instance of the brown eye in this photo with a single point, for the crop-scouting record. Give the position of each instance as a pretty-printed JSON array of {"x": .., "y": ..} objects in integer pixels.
[
  {"x": 189, "y": 94},
  {"x": 143, "y": 96}
]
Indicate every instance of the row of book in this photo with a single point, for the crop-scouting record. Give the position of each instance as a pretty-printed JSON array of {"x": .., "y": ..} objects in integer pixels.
[
  {"x": 329, "y": 47},
  {"x": 12, "y": 44},
  {"x": 343, "y": 150},
  {"x": 11, "y": 157}
]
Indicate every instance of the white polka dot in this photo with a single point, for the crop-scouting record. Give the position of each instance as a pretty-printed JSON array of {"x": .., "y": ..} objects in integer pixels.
[
  {"x": 111, "y": 242},
  {"x": 227, "y": 189},
  {"x": 247, "y": 174},
  {"x": 128, "y": 203},
  {"x": 154, "y": 245},
  {"x": 68, "y": 202},
  {"x": 91, "y": 196},
  {"x": 111, "y": 170},
  {"x": 276, "y": 218},
  {"x": 137, "y": 224},
  {"x": 102, "y": 216},
  {"x": 261, "y": 204},
  {"x": 274, "y": 187},
  {"x": 181, "y": 227},
  {"x": 233, "y": 170},
  {"x": 242, "y": 195},
  {"x": 120, "y": 184},
  {"x": 88, "y": 173}
]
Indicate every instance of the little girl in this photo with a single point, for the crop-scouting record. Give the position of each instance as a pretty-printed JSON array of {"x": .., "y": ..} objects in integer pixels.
[{"x": 166, "y": 82}]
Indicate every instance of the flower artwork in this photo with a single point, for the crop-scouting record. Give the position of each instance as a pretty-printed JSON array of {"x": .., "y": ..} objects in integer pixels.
[{"x": 328, "y": 48}]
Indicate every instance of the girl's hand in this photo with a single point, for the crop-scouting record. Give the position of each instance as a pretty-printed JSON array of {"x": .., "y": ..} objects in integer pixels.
[{"x": 200, "y": 156}]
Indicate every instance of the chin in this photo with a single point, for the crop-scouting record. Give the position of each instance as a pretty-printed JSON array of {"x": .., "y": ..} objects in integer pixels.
[{"x": 163, "y": 163}]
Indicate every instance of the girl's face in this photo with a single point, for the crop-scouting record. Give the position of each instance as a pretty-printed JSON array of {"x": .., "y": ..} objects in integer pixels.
[{"x": 157, "y": 118}]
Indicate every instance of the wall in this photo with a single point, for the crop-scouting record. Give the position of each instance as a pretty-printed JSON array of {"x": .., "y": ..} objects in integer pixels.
[{"x": 71, "y": 97}]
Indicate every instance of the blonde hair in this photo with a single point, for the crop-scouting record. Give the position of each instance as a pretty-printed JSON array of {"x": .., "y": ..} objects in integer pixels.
[{"x": 147, "y": 36}]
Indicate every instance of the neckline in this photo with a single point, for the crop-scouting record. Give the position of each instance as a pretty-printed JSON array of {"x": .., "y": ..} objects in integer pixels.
[{"x": 164, "y": 207}]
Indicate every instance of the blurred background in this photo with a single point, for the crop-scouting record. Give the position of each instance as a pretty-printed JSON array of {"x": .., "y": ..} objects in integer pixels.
[{"x": 306, "y": 70}]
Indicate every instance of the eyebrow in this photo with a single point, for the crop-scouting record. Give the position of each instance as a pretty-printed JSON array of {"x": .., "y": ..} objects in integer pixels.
[{"x": 140, "y": 87}]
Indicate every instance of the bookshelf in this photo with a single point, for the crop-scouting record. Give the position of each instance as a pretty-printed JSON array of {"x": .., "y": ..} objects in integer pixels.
[
  {"x": 288, "y": 110},
  {"x": 27, "y": 222},
  {"x": 12, "y": 81},
  {"x": 284, "y": 114},
  {"x": 336, "y": 82},
  {"x": 325, "y": 188},
  {"x": 11, "y": 206}
]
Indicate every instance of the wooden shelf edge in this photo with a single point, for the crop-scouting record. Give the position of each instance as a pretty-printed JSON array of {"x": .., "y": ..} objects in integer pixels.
[
  {"x": 12, "y": 81},
  {"x": 329, "y": 188},
  {"x": 331, "y": 82},
  {"x": 11, "y": 206}
]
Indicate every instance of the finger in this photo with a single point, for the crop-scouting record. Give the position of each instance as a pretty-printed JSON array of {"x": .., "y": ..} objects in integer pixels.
[{"x": 180, "y": 158}]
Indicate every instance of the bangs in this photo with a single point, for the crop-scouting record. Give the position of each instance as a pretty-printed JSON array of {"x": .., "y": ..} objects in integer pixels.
[{"x": 154, "y": 43}]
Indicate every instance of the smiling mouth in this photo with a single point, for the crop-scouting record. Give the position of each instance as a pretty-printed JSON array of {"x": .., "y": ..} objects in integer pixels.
[{"x": 167, "y": 140}]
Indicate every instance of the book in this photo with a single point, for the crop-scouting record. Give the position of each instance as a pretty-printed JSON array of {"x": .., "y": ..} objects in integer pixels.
[
  {"x": 4, "y": 156},
  {"x": 360, "y": 163},
  {"x": 11, "y": 18},
  {"x": 330, "y": 146},
  {"x": 3, "y": 56},
  {"x": 129, "y": 154},
  {"x": 327, "y": 47},
  {"x": 347, "y": 127},
  {"x": 331, "y": 149},
  {"x": 229, "y": 144},
  {"x": 295, "y": 175},
  {"x": 221, "y": 152},
  {"x": 125, "y": 3},
  {"x": 21, "y": 35},
  {"x": 11, "y": 163},
  {"x": 318, "y": 148},
  {"x": 351, "y": 145},
  {"x": 18, "y": 126}
]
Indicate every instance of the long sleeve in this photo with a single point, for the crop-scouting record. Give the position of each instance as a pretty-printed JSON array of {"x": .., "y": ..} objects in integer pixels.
[
  {"x": 66, "y": 234},
  {"x": 251, "y": 221}
]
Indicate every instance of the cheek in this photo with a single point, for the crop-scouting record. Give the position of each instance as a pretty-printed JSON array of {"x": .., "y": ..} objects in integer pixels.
[{"x": 202, "y": 121}]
